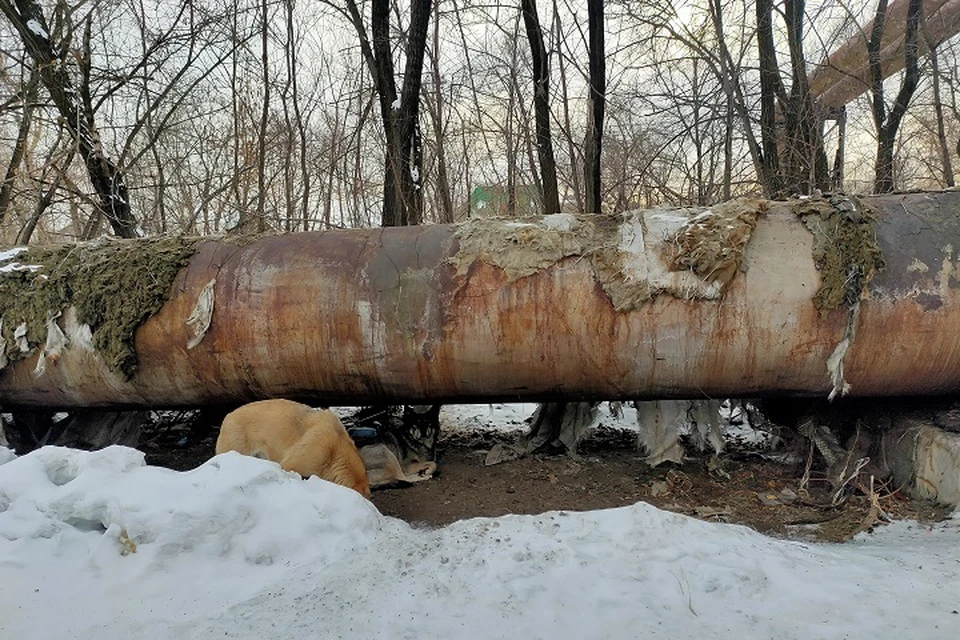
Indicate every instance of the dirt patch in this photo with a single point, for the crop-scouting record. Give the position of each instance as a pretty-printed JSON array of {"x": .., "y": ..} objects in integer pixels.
[{"x": 609, "y": 472}]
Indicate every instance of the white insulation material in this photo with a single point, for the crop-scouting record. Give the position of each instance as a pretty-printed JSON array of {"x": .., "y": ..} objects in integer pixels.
[
  {"x": 53, "y": 347},
  {"x": 202, "y": 314}
]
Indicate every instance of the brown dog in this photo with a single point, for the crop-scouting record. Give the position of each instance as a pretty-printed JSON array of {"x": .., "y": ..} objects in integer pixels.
[{"x": 310, "y": 441}]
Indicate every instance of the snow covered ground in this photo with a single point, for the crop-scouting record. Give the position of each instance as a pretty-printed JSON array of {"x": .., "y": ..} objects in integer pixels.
[{"x": 100, "y": 546}]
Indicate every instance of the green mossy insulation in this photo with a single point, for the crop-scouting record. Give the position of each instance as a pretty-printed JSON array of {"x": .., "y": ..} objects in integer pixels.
[{"x": 115, "y": 285}]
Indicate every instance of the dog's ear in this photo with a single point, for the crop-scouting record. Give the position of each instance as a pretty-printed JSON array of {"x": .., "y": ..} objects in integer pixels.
[{"x": 421, "y": 423}]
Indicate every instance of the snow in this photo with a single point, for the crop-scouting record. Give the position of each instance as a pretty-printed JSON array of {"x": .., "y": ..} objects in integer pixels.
[
  {"x": 6, "y": 264},
  {"x": 36, "y": 28},
  {"x": 502, "y": 417},
  {"x": 100, "y": 546},
  {"x": 514, "y": 417},
  {"x": 11, "y": 253}
]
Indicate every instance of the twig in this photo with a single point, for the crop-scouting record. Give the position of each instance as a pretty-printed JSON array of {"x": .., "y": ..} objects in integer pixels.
[
  {"x": 686, "y": 591},
  {"x": 876, "y": 514},
  {"x": 805, "y": 480},
  {"x": 861, "y": 463}
]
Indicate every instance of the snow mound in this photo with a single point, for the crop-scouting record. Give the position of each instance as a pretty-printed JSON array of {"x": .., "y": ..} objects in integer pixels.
[
  {"x": 631, "y": 572},
  {"x": 96, "y": 526},
  {"x": 232, "y": 506},
  {"x": 100, "y": 546},
  {"x": 6, "y": 455}
]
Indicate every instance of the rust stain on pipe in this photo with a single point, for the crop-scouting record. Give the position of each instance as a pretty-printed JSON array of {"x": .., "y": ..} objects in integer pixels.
[{"x": 367, "y": 315}]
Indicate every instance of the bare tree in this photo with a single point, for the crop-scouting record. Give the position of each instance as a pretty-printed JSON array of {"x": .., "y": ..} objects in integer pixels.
[
  {"x": 696, "y": 112},
  {"x": 28, "y": 97},
  {"x": 887, "y": 122},
  {"x": 264, "y": 116},
  {"x": 796, "y": 161},
  {"x": 596, "y": 103},
  {"x": 805, "y": 165},
  {"x": 771, "y": 88},
  {"x": 402, "y": 193},
  {"x": 946, "y": 164},
  {"x": 541, "y": 105},
  {"x": 435, "y": 107},
  {"x": 49, "y": 181},
  {"x": 566, "y": 127},
  {"x": 74, "y": 105}
]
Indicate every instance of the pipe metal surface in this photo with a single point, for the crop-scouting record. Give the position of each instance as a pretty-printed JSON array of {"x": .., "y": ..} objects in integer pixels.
[{"x": 402, "y": 314}]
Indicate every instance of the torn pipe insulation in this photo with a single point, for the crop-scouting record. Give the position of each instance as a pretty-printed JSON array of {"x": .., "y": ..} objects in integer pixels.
[
  {"x": 664, "y": 303},
  {"x": 111, "y": 285}
]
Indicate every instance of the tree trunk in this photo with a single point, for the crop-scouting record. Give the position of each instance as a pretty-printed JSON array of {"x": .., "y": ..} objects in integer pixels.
[
  {"x": 510, "y": 138},
  {"x": 439, "y": 133},
  {"x": 836, "y": 177},
  {"x": 466, "y": 313},
  {"x": 805, "y": 166},
  {"x": 261, "y": 221},
  {"x": 595, "y": 106},
  {"x": 300, "y": 122},
  {"x": 541, "y": 106},
  {"x": 793, "y": 160},
  {"x": 382, "y": 72},
  {"x": 411, "y": 152},
  {"x": 888, "y": 123},
  {"x": 883, "y": 182},
  {"x": 567, "y": 127},
  {"x": 728, "y": 132},
  {"x": 946, "y": 164},
  {"x": 399, "y": 113}
]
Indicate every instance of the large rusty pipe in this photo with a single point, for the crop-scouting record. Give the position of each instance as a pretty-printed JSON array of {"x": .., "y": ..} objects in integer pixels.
[
  {"x": 407, "y": 314},
  {"x": 845, "y": 74}
]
